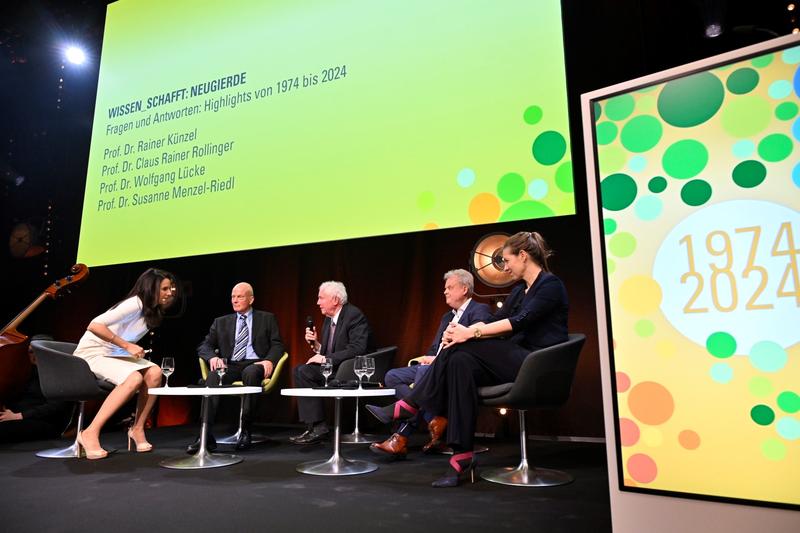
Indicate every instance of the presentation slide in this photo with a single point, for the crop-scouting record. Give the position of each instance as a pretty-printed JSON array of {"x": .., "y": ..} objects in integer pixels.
[
  {"x": 700, "y": 191},
  {"x": 223, "y": 126}
]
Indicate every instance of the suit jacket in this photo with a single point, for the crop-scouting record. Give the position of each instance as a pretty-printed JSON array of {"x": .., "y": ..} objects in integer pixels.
[
  {"x": 352, "y": 336},
  {"x": 266, "y": 338},
  {"x": 475, "y": 312}
]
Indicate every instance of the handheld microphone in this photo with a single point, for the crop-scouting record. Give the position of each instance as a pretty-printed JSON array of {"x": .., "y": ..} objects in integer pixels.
[{"x": 310, "y": 325}]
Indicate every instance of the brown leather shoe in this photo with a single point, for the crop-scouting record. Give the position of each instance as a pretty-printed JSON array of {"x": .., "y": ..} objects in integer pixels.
[
  {"x": 436, "y": 429},
  {"x": 394, "y": 447}
]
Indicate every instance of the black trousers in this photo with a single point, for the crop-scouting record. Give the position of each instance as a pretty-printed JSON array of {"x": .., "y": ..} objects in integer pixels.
[
  {"x": 27, "y": 430},
  {"x": 310, "y": 410},
  {"x": 450, "y": 387},
  {"x": 248, "y": 373}
]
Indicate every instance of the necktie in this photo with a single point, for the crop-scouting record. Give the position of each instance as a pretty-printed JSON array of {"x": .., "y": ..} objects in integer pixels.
[
  {"x": 331, "y": 333},
  {"x": 240, "y": 346}
]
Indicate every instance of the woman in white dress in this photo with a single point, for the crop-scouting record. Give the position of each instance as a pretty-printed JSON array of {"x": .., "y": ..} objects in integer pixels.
[{"x": 109, "y": 346}]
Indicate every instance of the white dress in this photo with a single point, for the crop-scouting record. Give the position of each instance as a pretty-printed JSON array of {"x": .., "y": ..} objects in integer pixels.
[{"x": 108, "y": 361}]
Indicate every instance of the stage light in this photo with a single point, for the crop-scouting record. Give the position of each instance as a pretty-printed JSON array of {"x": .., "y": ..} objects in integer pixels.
[
  {"x": 790, "y": 7},
  {"x": 503, "y": 411},
  {"x": 713, "y": 30},
  {"x": 75, "y": 55}
]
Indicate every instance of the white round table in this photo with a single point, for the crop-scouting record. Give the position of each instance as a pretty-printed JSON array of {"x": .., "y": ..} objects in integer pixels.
[
  {"x": 202, "y": 459},
  {"x": 337, "y": 465}
]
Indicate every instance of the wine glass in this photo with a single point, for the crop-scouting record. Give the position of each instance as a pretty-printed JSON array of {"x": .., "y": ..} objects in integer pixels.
[
  {"x": 168, "y": 367},
  {"x": 222, "y": 367},
  {"x": 360, "y": 368},
  {"x": 327, "y": 369},
  {"x": 369, "y": 367}
]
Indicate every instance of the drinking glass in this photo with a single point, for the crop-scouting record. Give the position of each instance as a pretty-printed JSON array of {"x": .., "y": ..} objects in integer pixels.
[
  {"x": 168, "y": 367},
  {"x": 369, "y": 367},
  {"x": 327, "y": 369},
  {"x": 360, "y": 368},
  {"x": 222, "y": 368}
]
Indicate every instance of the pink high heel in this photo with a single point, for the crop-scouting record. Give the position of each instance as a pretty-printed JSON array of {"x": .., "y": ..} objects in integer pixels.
[
  {"x": 90, "y": 454},
  {"x": 141, "y": 447}
]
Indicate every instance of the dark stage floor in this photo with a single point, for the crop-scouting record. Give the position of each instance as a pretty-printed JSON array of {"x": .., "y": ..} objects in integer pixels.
[{"x": 130, "y": 492}]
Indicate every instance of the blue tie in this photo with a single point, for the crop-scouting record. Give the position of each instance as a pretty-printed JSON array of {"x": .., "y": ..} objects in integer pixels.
[{"x": 240, "y": 347}]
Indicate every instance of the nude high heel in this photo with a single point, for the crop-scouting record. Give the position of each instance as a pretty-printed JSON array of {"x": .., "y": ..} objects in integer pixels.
[
  {"x": 90, "y": 454},
  {"x": 141, "y": 447}
]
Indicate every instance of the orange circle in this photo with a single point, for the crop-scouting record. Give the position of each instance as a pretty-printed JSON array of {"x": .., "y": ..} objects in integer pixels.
[
  {"x": 628, "y": 432},
  {"x": 642, "y": 468},
  {"x": 431, "y": 225},
  {"x": 484, "y": 208},
  {"x": 689, "y": 439},
  {"x": 651, "y": 403}
]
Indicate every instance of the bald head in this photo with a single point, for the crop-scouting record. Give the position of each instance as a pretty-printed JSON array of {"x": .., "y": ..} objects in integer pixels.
[{"x": 242, "y": 297}]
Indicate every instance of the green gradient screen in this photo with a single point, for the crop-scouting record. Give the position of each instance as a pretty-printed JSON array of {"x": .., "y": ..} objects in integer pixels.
[{"x": 228, "y": 126}]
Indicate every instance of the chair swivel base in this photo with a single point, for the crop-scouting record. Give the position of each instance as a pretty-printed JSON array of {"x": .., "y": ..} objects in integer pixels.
[
  {"x": 527, "y": 477},
  {"x": 60, "y": 453},
  {"x": 204, "y": 460}
]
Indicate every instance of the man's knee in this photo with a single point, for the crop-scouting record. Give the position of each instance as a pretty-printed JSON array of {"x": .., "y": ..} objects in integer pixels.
[{"x": 253, "y": 375}]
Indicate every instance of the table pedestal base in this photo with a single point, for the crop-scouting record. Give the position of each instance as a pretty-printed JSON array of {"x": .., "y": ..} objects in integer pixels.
[
  {"x": 206, "y": 460},
  {"x": 336, "y": 466}
]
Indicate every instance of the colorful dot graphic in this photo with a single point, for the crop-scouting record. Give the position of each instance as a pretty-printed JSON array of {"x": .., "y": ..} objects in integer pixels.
[{"x": 651, "y": 403}]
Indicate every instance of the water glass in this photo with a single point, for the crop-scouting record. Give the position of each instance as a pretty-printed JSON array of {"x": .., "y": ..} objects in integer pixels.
[
  {"x": 167, "y": 367},
  {"x": 222, "y": 368},
  {"x": 360, "y": 368},
  {"x": 327, "y": 369}
]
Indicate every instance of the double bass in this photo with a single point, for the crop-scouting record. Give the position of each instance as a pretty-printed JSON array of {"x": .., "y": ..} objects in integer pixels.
[{"x": 15, "y": 365}]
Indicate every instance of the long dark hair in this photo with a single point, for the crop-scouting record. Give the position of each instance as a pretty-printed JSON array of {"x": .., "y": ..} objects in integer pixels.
[
  {"x": 147, "y": 288},
  {"x": 533, "y": 244}
]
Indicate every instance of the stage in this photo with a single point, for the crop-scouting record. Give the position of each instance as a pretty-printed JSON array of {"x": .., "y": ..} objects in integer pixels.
[{"x": 131, "y": 492}]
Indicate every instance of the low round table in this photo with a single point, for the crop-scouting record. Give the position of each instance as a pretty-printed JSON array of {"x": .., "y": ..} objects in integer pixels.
[
  {"x": 202, "y": 459},
  {"x": 337, "y": 465}
]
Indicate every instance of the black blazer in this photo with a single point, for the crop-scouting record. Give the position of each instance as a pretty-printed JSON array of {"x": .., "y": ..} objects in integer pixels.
[
  {"x": 352, "y": 337},
  {"x": 475, "y": 312},
  {"x": 267, "y": 341}
]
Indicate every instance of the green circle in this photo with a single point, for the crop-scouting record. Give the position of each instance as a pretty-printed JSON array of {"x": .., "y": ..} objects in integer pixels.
[
  {"x": 609, "y": 226},
  {"x": 533, "y": 114},
  {"x": 760, "y": 386},
  {"x": 763, "y": 415},
  {"x": 426, "y": 200},
  {"x": 611, "y": 265},
  {"x": 622, "y": 244},
  {"x": 685, "y": 159},
  {"x": 598, "y": 111},
  {"x": 696, "y": 192},
  {"x": 618, "y": 191},
  {"x": 773, "y": 449},
  {"x": 620, "y": 107},
  {"x": 644, "y": 328},
  {"x": 525, "y": 210},
  {"x": 789, "y": 401},
  {"x": 612, "y": 158},
  {"x": 742, "y": 81},
  {"x": 549, "y": 147},
  {"x": 606, "y": 132},
  {"x": 746, "y": 116},
  {"x": 657, "y": 184},
  {"x": 775, "y": 147},
  {"x": 721, "y": 344},
  {"x": 749, "y": 174},
  {"x": 689, "y": 101},
  {"x": 786, "y": 111},
  {"x": 763, "y": 61},
  {"x": 511, "y": 187},
  {"x": 564, "y": 179},
  {"x": 641, "y": 133}
]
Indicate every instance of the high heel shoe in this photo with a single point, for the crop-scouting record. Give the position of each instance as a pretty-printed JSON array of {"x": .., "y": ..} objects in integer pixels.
[
  {"x": 399, "y": 410},
  {"x": 141, "y": 447},
  {"x": 90, "y": 454},
  {"x": 461, "y": 469}
]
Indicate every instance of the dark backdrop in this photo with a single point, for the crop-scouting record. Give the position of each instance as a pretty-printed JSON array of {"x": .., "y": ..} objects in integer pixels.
[{"x": 396, "y": 280}]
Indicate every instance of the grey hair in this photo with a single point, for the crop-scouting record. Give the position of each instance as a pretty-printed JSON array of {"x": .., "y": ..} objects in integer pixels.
[
  {"x": 464, "y": 277},
  {"x": 335, "y": 288}
]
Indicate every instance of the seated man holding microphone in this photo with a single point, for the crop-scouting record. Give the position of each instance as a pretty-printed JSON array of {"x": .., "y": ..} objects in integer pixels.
[
  {"x": 458, "y": 288},
  {"x": 345, "y": 334}
]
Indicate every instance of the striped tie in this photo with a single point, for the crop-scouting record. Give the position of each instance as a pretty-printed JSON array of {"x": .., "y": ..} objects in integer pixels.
[{"x": 240, "y": 347}]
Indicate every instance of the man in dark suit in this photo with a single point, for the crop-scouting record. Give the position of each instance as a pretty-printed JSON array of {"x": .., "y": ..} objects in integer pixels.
[
  {"x": 345, "y": 334},
  {"x": 249, "y": 340},
  {"x": 458, "y": 288}
]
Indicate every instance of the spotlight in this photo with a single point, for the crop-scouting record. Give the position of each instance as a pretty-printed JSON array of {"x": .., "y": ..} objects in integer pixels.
[
  {"x": 75, "y": 55},
  {"x": 503, "y": 411},
  {"x": 713, "y": 30}
]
